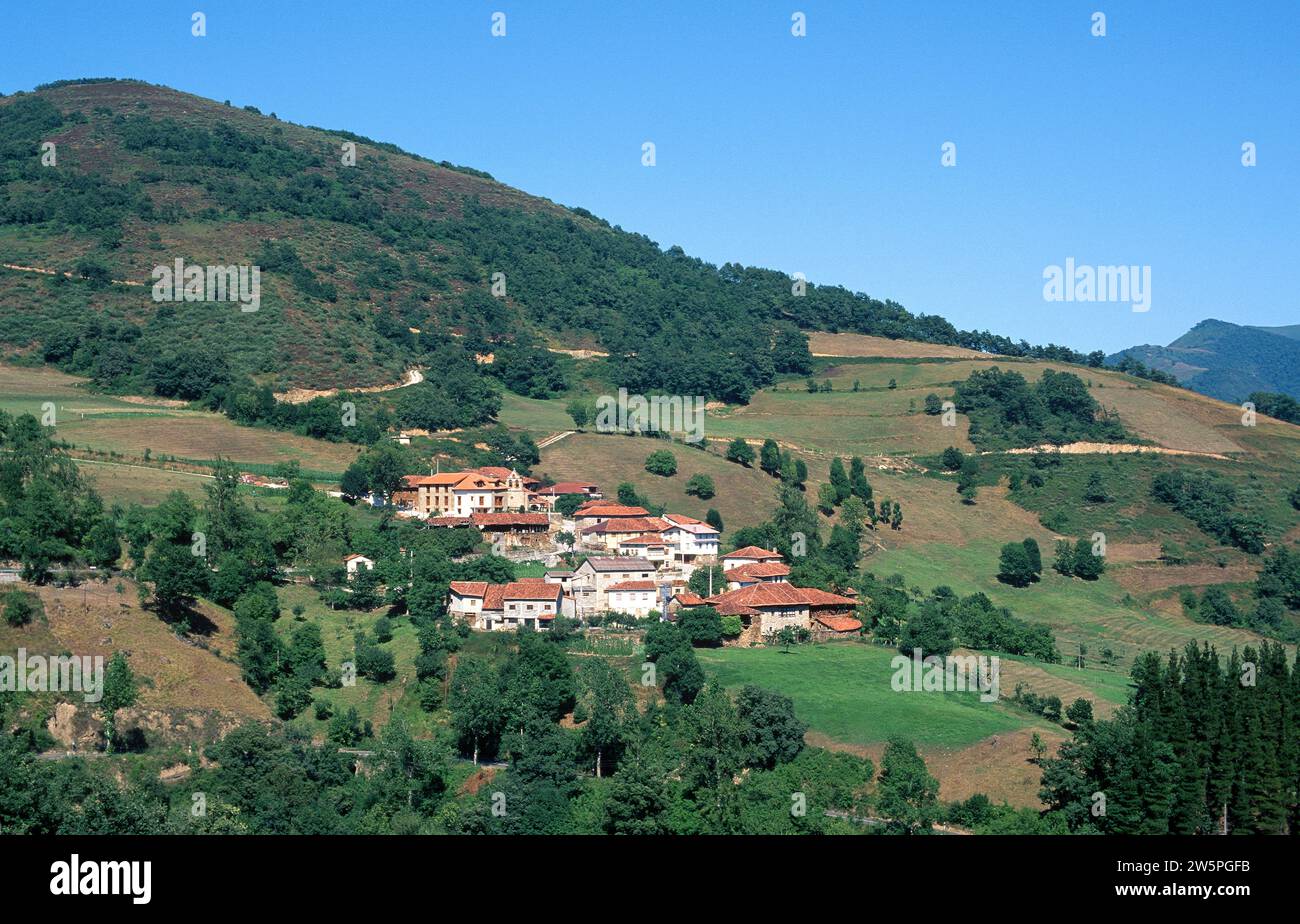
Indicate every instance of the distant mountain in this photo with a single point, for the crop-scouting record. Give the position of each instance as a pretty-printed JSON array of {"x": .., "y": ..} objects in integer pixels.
[{"x": 1227, "y": 361}]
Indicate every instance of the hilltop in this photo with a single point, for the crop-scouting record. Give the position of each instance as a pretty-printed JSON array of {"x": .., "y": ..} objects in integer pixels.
[
  {"x": 367, "y": 268},
  {"x": 1227, "y": 361}
]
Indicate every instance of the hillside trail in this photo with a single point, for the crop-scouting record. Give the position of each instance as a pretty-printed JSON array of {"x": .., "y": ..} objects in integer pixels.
[
  {"x": 555, "y": 438},
  {"x": 1085, "y": 449},
  {"x": 49, "y": 272},
  {"x": 412, "y": 376}
]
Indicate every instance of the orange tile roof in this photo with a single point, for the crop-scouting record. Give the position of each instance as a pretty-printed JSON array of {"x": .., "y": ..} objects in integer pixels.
[
  {"x": 531, "y": 590},
  {"x": 643, "y": 540},
  {"x": 753, "y": 551},
  {"x": 469, "y": 588},
  {"x": 630, "y": 585},
  {"x": 779, "y": 593},
  {"x": 686, "y": 598},
  {"x": 817, "y": 597},
  {"x": 600, "y": 509},
  {"x": 731, "y": 608},
  {"x": 495, "y": 598},
  {"x": 509, "y": 519},
  {"x": 838, "y": 623},
  {"x": 755, "y": 571}
]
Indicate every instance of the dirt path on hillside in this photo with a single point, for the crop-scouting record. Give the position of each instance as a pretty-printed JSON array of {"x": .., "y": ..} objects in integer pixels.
[
  {"x": 50, "y": 272},
  {"x": 412, "y": 376},
  {"x": 1085, "y": 449},
  {"x": 555, "y": 438}
]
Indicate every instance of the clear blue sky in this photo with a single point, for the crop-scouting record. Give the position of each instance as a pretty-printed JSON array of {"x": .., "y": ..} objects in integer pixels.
[{"x": 817, "y": 154}]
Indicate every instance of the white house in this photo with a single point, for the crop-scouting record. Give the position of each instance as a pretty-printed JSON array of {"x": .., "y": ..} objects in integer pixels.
[
  {"x": 594, "y": 576},
  {"x": 636, "y": 598},
  {"x": 354, "y": 561},
  {"x": 690, "y": 539}
]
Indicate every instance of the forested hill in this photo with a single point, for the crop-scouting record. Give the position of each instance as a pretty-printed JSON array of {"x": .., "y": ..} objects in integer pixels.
[
  {"x": 1227, "y": 361},
  {"x": 366, "y": 268}
]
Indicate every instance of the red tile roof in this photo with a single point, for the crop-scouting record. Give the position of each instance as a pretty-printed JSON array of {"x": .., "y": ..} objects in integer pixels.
[
  {"x": 753, "y": 572},
  {"x": 509, "y": 519},
  {"x": 731, "y": 608},
  {"x": 839, "y": 623},
  {"x": 643, "y": 540},
  {"x": 495, "y": 598},
  {"x": 531, "y": 590},
  {"x": 639, "y": 525},
  {"x": 448, "y": 521},
  {"x": 601, "y": 509},
  {"x": 686, "y": 598},
  {"x": 469, "y": 588},
  {"x": 753, "y": 551},
  {"x": 779, "y": 593},
  {"x": 630, "y": 585}
]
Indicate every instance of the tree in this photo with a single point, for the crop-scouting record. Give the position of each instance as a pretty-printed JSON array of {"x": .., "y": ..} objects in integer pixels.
[
  {"x": 698, "y": 583},
  {"x": 1035, "y": 557},
  {"x": 701, "y": 625},
  {"x": 579, "y": 413},
  {"x": 771, "y": 733},
  {"x": 769, "y": 457},
  {"x": 1064, "y": 563},
  {"x": 661, "y": 462},
  {"x": 1087, "y": 565},
  {"x": 701, "y": 486},
  {"x": 567, "y": 504},
  {"x": 355, "y": 483},
  {"x": 827, "y": 498},
  {"x": 178, "y": 577},
  {"x": 1014, "y": 567},
  {"x": 607, "y": 703},
  {"x": 714, "y": 519},
  {"x": 896, "y": 518},
  {"x": 933, "y": 406},
  {"x": 740, "y": 452},
  {"x": 119, "y": 693},
  {"x": 103, "y": 545},
  {"x": 929, "y": 630},
  {"x": 1080, "y": 712},
  {"x": 908, "y": 796},
  {"x": 18, "y": 608},
  {"x": 680, "y": 675},
  {"x": 476, "y": 708},
  {"x": 1095, "y": 491},
  {"x": 840, "y": 481},
  {"x": 952, "y": 458}
]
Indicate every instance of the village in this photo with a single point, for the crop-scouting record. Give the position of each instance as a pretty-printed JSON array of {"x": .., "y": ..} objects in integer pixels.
[{"x": 607, "y": 559}]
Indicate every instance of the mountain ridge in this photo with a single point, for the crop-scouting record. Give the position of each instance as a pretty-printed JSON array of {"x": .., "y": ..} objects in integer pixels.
[{"x": 1225, "y": 360}]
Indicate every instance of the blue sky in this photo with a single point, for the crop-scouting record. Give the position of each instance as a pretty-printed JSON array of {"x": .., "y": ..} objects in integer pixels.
[{"x": 818, "y": 154}]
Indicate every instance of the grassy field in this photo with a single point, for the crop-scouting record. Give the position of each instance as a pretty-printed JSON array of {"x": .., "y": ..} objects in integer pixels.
[
  {"x": 129, "y": 427},
  {"x": 1097, "y": 614},
  {"x": 843, "y": 691},
  {"x": 745, "y": 495}
]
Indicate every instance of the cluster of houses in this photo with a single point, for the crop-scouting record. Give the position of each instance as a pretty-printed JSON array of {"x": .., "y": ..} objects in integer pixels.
[
  {"x": 635, "y": 563},
  {"x": 490, "y": 489},
  {"x": 757, "y": 591}
]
